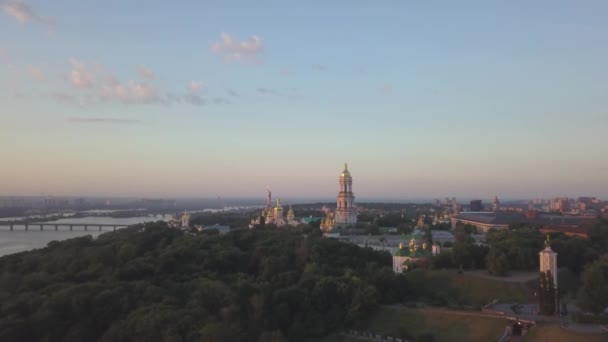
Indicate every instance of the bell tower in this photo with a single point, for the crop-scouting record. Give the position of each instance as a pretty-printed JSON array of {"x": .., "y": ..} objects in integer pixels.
[{"x": 346, "y": 213}]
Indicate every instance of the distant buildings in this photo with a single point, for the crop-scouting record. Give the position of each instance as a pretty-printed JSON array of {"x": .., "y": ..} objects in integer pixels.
[
  {"x": 484, "y": 221},
  {"x": 475, "y": 205},
  {"x": 561, "y": 204},
  {"x": 180, "y": 222}
]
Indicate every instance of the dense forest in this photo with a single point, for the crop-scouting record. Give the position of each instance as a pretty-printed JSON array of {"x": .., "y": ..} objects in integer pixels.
[{"x": 151, "y": 283}]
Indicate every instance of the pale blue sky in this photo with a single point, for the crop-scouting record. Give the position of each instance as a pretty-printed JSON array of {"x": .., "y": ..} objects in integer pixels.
[{"x": 199, "y": 98}]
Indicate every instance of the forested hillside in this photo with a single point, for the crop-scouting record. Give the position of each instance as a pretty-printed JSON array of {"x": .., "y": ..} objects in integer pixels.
[{"x": 151, "y": 283}]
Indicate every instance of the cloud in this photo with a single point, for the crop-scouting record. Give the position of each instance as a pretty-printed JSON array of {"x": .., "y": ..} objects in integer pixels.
[
  {"x": 146, "y": 73},
  {"x": 221, "y": 100},
  {"x": 262, "y": 90},
  {"x": 233, "y": 50},
  {"x": 77, "y": 120},
  {"x": 195, "y": 99},
  {"x": 81, "y": 76},
  {"x": 97, "y": 85},
  {"x": 233, "y": 93},
  {"x": 36, "y": 72},
  {"x": 65, "y": 97},
  {"x": 193, "y": 95},
  {"x": 22, "y": 12},
  {"x": 319, "y": 67},
  {"x": 131, "y": 92}
]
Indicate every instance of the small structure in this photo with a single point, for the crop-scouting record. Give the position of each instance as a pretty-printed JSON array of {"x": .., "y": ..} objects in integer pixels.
[
  {"x": 220, "y": 228},
  {"x": 436, "y": 249}
]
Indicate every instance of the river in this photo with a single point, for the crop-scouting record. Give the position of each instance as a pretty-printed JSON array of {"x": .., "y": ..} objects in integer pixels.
[{"x": 20, "y": 240}]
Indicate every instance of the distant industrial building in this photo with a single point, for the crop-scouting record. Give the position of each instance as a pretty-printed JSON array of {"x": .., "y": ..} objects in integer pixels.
[
  {"x": 475, "y": 205},
  {"x": 484, "y": 221}
]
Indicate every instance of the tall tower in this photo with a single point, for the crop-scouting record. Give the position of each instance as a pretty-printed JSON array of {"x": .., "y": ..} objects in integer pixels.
[
  {"x": 495, "y": 203},
  {"x": 548, "y": 262},
  {"x": 268, "y": 199},
  {"x": 186, "y": 219},
  {"x": 346, "y": 213}
]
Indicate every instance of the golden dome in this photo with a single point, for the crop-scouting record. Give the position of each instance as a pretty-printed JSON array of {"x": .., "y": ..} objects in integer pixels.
[
  {"x": 345, "y": 173},
  {"x": 278, "y": 206}
]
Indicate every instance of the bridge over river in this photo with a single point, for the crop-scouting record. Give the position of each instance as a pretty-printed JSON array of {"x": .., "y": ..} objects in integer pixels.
[{"x": 46, "y": 226}]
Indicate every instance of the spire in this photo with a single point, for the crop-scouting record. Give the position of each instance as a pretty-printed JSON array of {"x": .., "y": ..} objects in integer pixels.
[
  {"x": 548, "y": 242},
  {"x": 345, "y": 166}
]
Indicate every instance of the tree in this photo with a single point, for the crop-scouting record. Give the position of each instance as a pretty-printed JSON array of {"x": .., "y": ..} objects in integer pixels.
[
  {"x": 497, "y": 262},
  {"x": 593, "y": 294},
  {"x": 149, "y": 282}
]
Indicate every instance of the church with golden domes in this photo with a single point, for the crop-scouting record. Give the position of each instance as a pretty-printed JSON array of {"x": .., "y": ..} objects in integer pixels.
[
  {"x": 345, "y": 214},
  {"x": 274, "y": 215}
]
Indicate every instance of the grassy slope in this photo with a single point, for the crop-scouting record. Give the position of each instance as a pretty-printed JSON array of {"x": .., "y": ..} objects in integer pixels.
[
  {"x": 469, "y": 289},
  {"x": 553, "y": 333},
  {"x": 445, "y": 326},
  {"x": 454, "y": 327}
]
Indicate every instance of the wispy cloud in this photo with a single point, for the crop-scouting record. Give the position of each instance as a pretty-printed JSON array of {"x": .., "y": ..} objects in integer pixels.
[
  {"x": 195, "y": 99},
  {"x": 233, "y": 93},
  {"x": 194, "y": 94},
  {"x": 98, "y": 85},
  {"x": 319, "y": 67},
  {"x": 64, "y": 97},
  {"x": 221, "y": 100},
  {"x": 233, "y": 50},
  {"x": 132, "y": 92},
  {"x": 263, "y": 90},
  {"x": 22, "y": 12},
  {"x": 81, "y": 75},
  {"x": 146, "y": 73},
  {"x": 108, "y": 88},
  {"x": 83, "y": 120}
]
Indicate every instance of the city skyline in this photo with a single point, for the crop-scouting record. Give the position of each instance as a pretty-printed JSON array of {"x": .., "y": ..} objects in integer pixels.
[{"x": 198, "y": 100}]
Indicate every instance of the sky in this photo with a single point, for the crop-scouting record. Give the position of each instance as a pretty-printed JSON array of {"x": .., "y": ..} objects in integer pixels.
[{"x": 423, "y": 99}]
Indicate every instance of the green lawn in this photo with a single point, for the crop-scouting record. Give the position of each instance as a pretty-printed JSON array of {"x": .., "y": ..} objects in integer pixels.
[{"x": 464, "y": 289}]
